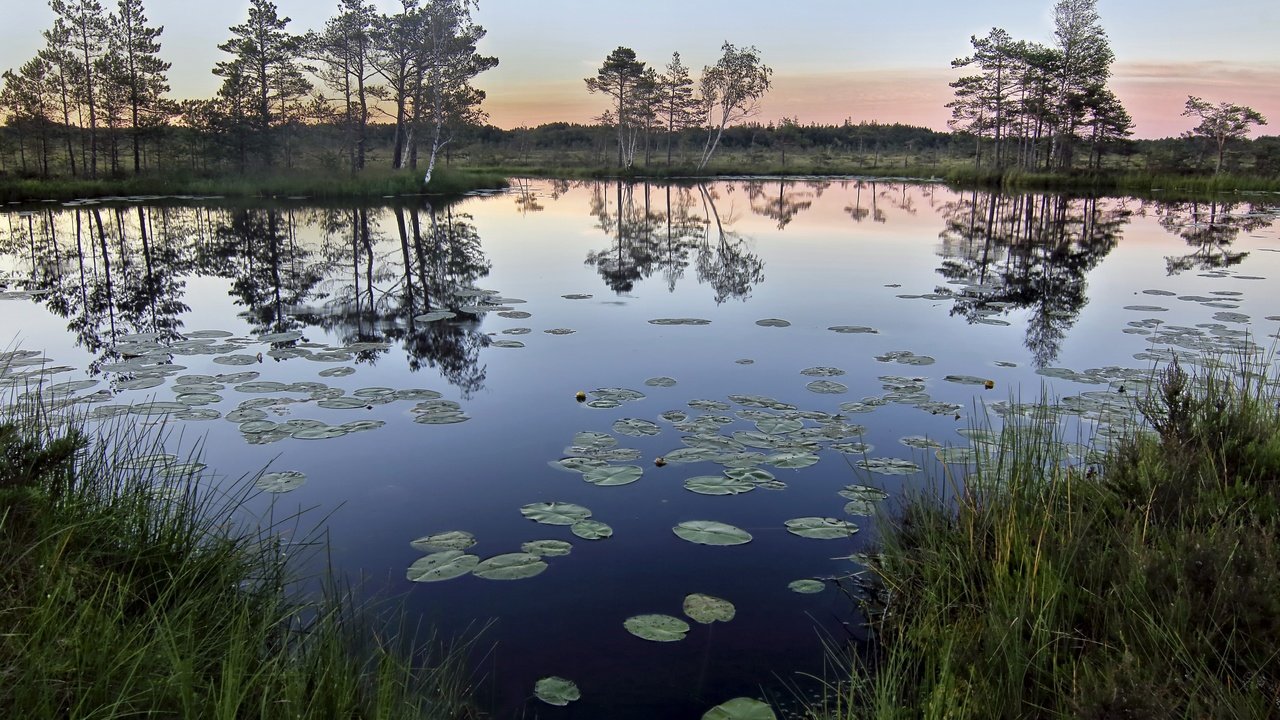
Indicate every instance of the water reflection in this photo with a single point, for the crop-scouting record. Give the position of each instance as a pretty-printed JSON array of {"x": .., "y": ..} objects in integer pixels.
[
  {"x": 663, "y": 233},
  {"x": 364, "y": 275},
  {"x": 1005, "y": 252},
  {"x": 1210, "y": 228}
]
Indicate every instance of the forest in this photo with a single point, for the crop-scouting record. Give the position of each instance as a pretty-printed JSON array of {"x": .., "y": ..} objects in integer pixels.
[{"x": 397, "y": 91}]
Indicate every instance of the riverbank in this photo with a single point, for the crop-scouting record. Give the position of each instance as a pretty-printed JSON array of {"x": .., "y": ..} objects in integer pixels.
[
  {"x": 315, "y": 185},
  {"x": 1141, "y": 585},
  {"x": 957, "y": 174},
  {"x": 130, "y": 592}
]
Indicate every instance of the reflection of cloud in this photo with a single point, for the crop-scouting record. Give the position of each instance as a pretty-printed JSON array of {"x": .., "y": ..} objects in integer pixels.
[{"x": 1153, "y": 92}]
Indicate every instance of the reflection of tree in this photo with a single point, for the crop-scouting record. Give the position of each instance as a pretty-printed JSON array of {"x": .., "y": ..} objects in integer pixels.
[
  {"x": 724, "y": 261},
  {"x": 448, "y": 259},
  {"x": 1210, "y": 228},
  {"x": 782, "y": 205},
  {"x": 856, "y": 209},
  {"x": 1026, "y": 252},
  {"x": 648, "y": 235},
  {"x": 109, "y": 272},
  {"x": 272, "y": 274}
]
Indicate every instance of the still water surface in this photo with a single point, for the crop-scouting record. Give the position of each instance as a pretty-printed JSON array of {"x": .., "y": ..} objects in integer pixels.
[{"x": 931, "y": 293}]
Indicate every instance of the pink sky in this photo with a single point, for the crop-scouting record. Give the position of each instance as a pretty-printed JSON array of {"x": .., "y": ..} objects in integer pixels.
[{"x": 1153, "y": 93}]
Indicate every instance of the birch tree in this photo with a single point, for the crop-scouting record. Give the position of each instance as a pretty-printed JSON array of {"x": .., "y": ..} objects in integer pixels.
[{"x": 731, "y": 91}]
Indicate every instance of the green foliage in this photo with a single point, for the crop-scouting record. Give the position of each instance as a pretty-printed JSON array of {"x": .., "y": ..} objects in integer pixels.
[
  {"x": 130, "y": 595},
  {"x": 1138, "y": 587}
]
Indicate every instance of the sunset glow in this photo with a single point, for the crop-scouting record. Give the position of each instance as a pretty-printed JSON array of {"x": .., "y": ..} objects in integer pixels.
[{"x": 832, "y": 60}]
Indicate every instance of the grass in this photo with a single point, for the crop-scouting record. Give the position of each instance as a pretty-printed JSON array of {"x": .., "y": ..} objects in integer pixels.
[
  {"x": 313, "y": 185},
  {"x": 128, "y": 594},
  {"x": 1143, "y": 586}
]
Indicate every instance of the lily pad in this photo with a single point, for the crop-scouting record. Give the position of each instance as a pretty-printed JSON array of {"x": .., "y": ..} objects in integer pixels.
[
  {"x": 280, "y": 481},
  {"x": 507, "y": 344},
  {"x": 435, "y": 316},
  {"x": 560, "y": 331},
  {"x": 450, "y": 540},
  {"x": 679, "y": 321},
  {"x": 807, "y": 587},
  {"x": 778, "y": 426},
  {"x": 556, "y": 691},
  {"x": 612, "y": 475},
  {"x": 741, "y": 708},
  {"x": 822, "y": 371},
  {"x": 441, "y": 566},
  {"x": 862, "y": 492},
  {"x": 510, "y": 566},
  {"x": 337, "y": 372},
  {"x": 707, "y": 609},
  {"x": 547, "y": 548},
  {"x": 853, "y": 330},
  {"x": 773, "y": 322},
  {"x": 718, "y": 485},
  {"x": 658, "y": 628},
  {"x": 710, "y": 532},
  {"x": 792, "y": 460},
  {"x": 660, "y": 382},
  {"x": 635, "y": 427},
  {"x": 827, "y": 387},
  {"x": 821, "y": 528},
  {"x": 889, "y": 466},
  {"x": 576, "y": 296},
  {"x": 591, "y": 530},
  {"x": 555, "y": 513}
]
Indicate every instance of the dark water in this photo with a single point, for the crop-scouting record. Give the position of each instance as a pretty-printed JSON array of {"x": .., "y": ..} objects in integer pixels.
[{"x": 992, "y": 287}]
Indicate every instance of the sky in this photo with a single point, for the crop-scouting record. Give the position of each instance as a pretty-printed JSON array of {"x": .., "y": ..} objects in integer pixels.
[{"x": 832, "y": 59}]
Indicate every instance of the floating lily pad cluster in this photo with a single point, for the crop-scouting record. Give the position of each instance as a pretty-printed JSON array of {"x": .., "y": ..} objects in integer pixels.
[{"x": 704, "y": 609}]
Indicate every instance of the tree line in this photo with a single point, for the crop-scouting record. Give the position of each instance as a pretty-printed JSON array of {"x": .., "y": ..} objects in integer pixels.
[{"x": 95, "y": 98}]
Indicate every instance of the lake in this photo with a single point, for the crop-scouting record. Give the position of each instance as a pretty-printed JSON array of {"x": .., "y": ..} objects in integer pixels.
[{"x": 794, "y": 350}]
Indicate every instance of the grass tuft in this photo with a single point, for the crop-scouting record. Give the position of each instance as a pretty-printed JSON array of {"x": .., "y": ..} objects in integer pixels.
[
  {"x": 1139, "y": 586},
  {"x": 131, "y": 594}
]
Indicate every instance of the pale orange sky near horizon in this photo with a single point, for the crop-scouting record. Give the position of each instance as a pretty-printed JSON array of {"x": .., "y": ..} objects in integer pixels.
[{"x": 832, "y": 59}]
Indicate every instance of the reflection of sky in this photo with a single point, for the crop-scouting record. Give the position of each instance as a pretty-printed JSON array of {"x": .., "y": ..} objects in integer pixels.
[
  {"x": 388, "y": 486},
  {"x": 833, "y": 59}
]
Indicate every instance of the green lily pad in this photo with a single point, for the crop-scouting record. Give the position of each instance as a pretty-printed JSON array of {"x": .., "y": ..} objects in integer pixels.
[
  {"x": 510, "y": 566},
  {"x": 517, "y": 331},
  {"x": 556, "y": 691},
  {"x": 237, "y": 360},
  {"x": 822, "y": 371},
  {"x": 773, "y": 322},
  {"x": 741, "y": 708},
  {"x": 920, "y": 442},
  {"x": 515, "y": 314},
  {"x": 507, "y": 344},
  {"x": 658, "y": 628},
  {"x": 281, "y": 481},
  {"x": 555, "y": 513},
  {"x": 807, "y": 587},
  {"x": 690, "y": 455},
  {"x": 718, "y": 485},
  {"x": 710, "y": 532},
  {"x": 707, "y": 609},
  {"x": 679, "y": 321},
  {"x": 660, "y": 382},
  {"x": 778, "y": 426},
  {"x": 441, "y": 566},
  {"x": 956, "y": 455},
  {"x": 560, "y": 331},
  {"x": 861, "y": 508},
  {"x": 594, "y": 440},
  {"x": 591, "y": 530},
  {"x": 547, "y": 548},
  {"x": 280, "y": 337},
  {"x": 889, "y": 466},
  {"x": 635, "y": 427},
  {"x": 613, "y": 475},
  {"x": 577, "y": 464},
  {"x": 450, "y": 540},
  {"x": 863, "y": 492},
  {"x": 792, "y": 459},
  {"x": 827, "y": 387},
  {"x": 145, "y": 383},
  {"x": 337, "y": 372},
  {"x": 821, "y": 528},
  {"x": 319, "y": 433},
  {"x": 853, "y": 329},
  {"x": 972, "y": 379},
  {"x": 711, "y": 405}
]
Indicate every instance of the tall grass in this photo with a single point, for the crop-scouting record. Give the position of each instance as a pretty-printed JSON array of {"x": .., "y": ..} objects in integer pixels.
[
  {"x": 1139, "y": 586},
  {"x": 131, "y": 594}
]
